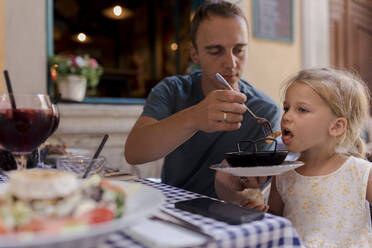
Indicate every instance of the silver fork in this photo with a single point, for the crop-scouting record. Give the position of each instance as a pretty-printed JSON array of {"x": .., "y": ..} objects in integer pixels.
[{"x": 265, "y": 124}]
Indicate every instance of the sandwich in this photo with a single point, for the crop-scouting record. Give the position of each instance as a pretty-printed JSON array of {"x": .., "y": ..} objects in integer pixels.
[{"x": 55, "y": 201}]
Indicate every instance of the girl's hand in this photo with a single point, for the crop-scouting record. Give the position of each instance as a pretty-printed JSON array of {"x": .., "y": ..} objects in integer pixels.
[
  {"x": 252, "y": 204},
  {"x": 253, "y": 182}
]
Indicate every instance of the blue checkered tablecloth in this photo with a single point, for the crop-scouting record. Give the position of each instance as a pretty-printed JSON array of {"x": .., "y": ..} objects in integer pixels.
[{"x": 272, "y": 231}]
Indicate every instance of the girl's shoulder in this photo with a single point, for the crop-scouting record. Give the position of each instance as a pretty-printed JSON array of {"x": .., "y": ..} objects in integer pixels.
[
  {"x": 358, "y": 166},
  {"x": 354, "y": 161}
]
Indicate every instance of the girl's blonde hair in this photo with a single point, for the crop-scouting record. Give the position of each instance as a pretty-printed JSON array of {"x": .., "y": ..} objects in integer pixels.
[{"x": 347, "y": 95}]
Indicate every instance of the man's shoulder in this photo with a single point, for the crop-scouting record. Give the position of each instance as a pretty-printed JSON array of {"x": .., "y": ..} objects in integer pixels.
[
  {"x": 180, "y": 88},
  {"x": 181, "y": 81}
]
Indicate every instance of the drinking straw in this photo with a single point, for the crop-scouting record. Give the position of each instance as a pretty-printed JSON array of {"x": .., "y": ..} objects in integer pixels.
[
  {"x": 10, "y": 90},
  {"x": 96, "y": 155}
]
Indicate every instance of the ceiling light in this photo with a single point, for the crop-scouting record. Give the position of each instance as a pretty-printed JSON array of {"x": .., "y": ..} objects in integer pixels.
[
  {"x": 82, "y": 38},
  {"x": 174, "y": 46},
  {"x": 117, "y": 12}
]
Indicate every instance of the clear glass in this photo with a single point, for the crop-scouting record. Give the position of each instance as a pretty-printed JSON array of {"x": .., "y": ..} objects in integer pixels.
[
  {"x": 26, "y": 121},
  {"x": 79, "y": 164}
]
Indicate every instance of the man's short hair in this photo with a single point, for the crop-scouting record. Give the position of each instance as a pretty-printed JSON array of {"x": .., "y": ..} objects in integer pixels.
[{"x": 214, "y": 8}]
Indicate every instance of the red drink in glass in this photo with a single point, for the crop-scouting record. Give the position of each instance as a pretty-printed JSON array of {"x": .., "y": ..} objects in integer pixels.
[
  {"x": 26, "y": 122},
  {"x": 22, "y": 129}
]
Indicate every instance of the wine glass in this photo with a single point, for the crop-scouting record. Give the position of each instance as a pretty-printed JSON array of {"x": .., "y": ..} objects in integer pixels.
[
  {"x": 55, "y": 123},
  {"x": 26, "y": 121},
  {"x": 56, "y": 117}
]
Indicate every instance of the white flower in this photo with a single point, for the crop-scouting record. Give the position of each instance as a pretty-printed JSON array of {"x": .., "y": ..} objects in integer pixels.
[{"x": 80, "y": 62}]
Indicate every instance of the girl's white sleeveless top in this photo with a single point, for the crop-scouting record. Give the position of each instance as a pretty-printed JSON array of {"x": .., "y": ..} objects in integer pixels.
[{"x": 330, "y": 210}]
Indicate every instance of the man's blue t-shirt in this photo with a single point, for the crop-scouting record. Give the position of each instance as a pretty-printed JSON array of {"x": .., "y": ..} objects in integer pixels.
[{"x": 188, "y": 165}]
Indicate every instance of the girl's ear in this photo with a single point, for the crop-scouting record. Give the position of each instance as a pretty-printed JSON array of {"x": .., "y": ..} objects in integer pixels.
[
  {"x": 338, "y": 127},
  {"x": 194, "y": 55}
]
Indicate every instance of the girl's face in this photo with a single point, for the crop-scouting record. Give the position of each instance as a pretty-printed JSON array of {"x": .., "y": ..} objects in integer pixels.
[{"x": 307, "y": 119}]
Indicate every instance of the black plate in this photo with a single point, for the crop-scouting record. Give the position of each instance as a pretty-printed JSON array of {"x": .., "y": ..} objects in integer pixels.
[{"x": 256, "y": 158}]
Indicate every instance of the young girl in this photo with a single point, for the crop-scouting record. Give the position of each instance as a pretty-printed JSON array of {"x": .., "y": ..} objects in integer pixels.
[{"x": 325, "y": 199}]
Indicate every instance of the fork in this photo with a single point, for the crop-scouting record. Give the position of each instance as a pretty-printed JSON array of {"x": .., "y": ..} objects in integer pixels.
[{"x": 265, "y": 124}]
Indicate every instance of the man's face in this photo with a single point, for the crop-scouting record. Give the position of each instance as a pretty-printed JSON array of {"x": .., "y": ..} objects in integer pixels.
[{"x": 221, "y": 47}]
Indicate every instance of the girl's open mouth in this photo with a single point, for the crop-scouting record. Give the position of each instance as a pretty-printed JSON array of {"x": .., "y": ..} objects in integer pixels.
[{"x": 287, "y": 136}]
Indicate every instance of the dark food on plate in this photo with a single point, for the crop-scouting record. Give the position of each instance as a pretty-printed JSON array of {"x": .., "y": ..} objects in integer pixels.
[
  {"x": 56, "y": 201},
  {"x": 256, "y": 158}
]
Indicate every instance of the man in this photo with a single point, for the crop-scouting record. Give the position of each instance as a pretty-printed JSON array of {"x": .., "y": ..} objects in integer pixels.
[{"x": 193, "y": 120}]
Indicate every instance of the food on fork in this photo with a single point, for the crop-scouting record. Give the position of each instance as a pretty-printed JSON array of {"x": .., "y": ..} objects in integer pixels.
[
  {"x": 274, "y": 136},
  {"x": 57, "y": 201}
]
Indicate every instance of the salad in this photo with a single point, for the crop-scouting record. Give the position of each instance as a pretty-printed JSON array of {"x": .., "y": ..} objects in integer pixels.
[{"x": 92, "y": 201}]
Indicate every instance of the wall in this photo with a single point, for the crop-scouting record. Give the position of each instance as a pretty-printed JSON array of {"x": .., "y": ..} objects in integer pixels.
[
  {"x": 271, "y": 62},
  {"x": 25, "y": 44},
  {"x": 316, "y": 33}
]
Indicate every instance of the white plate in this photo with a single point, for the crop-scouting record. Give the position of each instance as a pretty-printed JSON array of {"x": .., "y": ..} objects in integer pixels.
[
  {"x": 258, "y": 170},
  {"x": 141, "y": 202}
]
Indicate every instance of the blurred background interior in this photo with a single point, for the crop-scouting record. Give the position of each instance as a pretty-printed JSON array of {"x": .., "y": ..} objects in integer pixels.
[{"x": 139, "y": 42}]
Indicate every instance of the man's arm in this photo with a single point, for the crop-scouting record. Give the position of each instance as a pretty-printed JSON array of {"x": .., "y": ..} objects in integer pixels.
[{"x": 151, "y": 139}]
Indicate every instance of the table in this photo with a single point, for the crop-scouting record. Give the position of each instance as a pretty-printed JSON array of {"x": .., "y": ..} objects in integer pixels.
[{"x": 272, "y": 231}]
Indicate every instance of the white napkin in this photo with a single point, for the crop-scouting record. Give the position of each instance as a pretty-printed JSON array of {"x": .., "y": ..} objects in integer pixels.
[{"x": 157, "y": 234}]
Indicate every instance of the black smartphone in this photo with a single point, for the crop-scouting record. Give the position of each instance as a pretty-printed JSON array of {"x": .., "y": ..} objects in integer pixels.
[{"x": 222, "y": 211}]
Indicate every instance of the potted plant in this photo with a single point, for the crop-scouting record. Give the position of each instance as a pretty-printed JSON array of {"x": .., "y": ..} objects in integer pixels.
[{"x": 74, "y": 74}]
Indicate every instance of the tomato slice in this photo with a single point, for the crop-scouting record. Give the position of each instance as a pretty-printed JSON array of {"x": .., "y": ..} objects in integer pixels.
[
  {"x": 98, "y": 215},
  {"x": 3, "y": 228}
]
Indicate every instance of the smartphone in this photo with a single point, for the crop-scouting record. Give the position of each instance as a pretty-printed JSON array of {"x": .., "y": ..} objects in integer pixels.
[{"x": 222, "y": 211}]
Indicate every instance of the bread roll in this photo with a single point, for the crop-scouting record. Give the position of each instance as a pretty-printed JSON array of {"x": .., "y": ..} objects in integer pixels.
[
  {"x": 41, "y": 184},
  {"x": 255, "y": 195}
]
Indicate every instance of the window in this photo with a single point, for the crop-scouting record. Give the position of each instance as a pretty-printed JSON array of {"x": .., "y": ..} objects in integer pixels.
[{"x": 138, "y": 42}]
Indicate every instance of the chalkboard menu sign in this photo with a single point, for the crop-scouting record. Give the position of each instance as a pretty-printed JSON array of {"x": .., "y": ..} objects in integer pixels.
[{"x": 273, "y": 19}]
